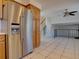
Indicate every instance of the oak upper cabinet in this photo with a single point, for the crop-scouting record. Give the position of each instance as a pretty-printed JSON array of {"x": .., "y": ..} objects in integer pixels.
[
  {"x": 2, "y": 46},
  {"x": 0, "y": 9},
  {"x": 17, "y": 9}
]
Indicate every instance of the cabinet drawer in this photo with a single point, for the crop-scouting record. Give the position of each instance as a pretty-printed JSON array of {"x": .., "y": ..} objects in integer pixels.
[
  {"x": 2, "y": 43},
  {"x": 2, "y": 50},
  {"x": 2, "y": 38}
]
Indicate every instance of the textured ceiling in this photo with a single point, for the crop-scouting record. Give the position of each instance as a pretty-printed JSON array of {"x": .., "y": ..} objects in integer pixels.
[
  {"x": 53, "y": 10},
  {"x": 51, "y": 6},
  {"x": 47, "y": 4}
]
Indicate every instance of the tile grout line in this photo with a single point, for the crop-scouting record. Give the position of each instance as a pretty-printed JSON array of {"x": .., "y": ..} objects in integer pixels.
[
  {"x": 39, "y": 52},
  {"x": 51, "y": 52},
  {"x": 49, "y": 45},
  {"x": 74, "y": 49},
  {"x": 54, "y": 48},
  {"x": 70, "y": 42},
  {"x": 64, "y": 48}
]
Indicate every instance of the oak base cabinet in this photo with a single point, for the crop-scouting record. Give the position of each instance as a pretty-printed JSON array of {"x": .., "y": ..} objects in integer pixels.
[{"x": 2, "y": 46}]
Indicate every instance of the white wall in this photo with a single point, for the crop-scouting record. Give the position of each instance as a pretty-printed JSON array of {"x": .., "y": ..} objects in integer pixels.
[
  {"x": 33, "y": 2},
  {"x": 4, "y": 26}
]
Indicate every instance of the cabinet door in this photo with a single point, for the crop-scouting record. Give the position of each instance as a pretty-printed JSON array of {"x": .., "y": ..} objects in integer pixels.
[
  {"x": 2, "y": 50},
  {"x": 0, "y": 9}
]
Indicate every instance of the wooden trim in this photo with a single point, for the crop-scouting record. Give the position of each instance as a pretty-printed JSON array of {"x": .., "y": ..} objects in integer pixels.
[
  {"x": 32, "y": 6},
  {"x": 24, "y": 5},
  {"x": 18, "y": 3},
  {"x": 21, "y": 39},
  {"x": 7, "y": 47},
  {"x": 3, "y": 11}
]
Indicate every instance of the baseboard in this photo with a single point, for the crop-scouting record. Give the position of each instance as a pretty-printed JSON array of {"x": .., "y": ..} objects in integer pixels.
[
  {"x": 25, "y": 55},
  {"x": 76, "y": 37}
]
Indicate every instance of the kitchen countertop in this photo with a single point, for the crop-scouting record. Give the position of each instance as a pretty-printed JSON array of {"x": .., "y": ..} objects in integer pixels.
[{"x": 2, "y": 33}]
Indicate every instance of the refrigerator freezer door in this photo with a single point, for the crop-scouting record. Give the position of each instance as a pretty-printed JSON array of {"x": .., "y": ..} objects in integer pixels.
[{"x": 27, "y": 33}]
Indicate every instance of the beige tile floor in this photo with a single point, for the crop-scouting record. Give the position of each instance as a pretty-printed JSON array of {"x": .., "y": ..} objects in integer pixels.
[{"x": 58, "y": 48}]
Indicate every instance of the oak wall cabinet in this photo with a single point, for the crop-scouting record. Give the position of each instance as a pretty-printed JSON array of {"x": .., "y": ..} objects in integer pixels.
[{"x": 0, "y": 9}]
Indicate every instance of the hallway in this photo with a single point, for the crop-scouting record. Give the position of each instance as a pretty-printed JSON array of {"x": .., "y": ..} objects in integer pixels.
[{"x": 58, "y": 48}]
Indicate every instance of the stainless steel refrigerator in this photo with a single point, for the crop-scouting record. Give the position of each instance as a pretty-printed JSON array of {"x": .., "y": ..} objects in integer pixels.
[
  {"x": 19, "y": 29},
  {"x": 26, "y": 32}
]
